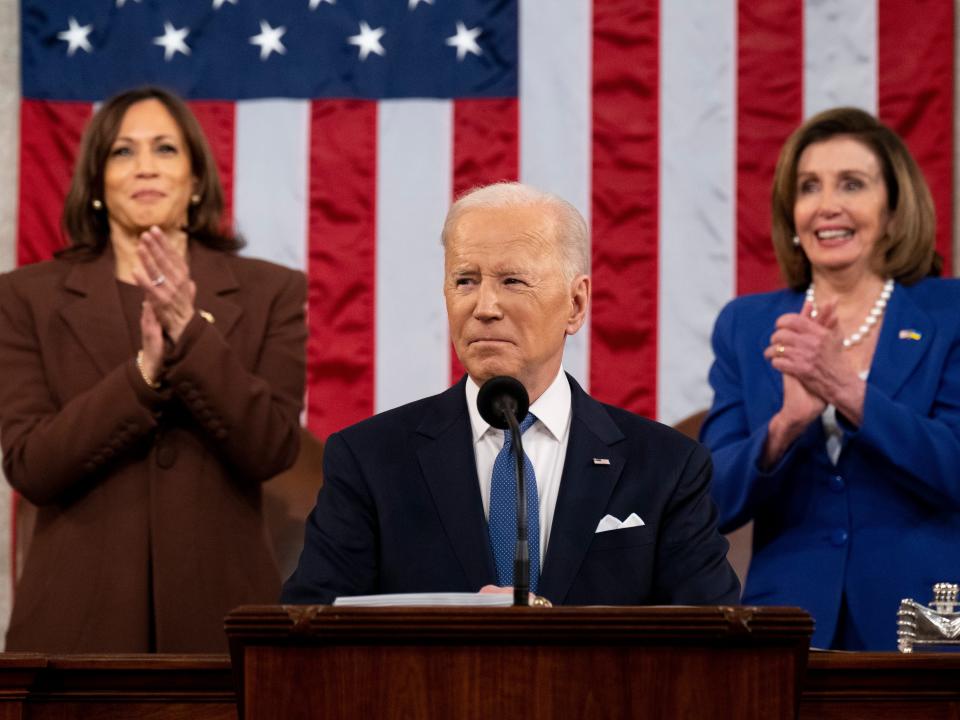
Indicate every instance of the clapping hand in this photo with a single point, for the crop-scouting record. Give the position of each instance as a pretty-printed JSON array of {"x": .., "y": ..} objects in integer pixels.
[
  {"x": 165, "y": 278},
  {"x": 796, "y": 350}
]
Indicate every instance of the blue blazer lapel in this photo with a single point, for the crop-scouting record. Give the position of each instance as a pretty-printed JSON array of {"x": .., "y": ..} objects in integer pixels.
[
  {"x": 899, "y": 350},
  {"x": 585, "y": 489},
  {"x": 448, "y": 465}
]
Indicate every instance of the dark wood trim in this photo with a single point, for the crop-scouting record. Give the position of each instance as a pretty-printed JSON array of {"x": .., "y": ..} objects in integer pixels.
[{"x": 115, "y": 687}]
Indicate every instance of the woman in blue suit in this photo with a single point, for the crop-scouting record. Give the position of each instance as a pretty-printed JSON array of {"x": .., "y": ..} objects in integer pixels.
[{"x": 835, "y": 424}]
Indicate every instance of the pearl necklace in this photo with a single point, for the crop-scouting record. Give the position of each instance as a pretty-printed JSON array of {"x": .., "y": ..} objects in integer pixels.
[{"x": 873, "y": 317}]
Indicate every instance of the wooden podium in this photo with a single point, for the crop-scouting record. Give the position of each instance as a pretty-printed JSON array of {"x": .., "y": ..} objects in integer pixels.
[{"x": 605, "y": 662}]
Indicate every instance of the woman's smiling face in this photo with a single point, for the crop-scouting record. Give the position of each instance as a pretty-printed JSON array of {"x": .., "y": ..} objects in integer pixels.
[{"x": 840, "y": 211}]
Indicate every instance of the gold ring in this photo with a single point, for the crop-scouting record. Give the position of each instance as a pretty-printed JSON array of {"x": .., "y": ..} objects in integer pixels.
[{"x": 781, "y": 350}]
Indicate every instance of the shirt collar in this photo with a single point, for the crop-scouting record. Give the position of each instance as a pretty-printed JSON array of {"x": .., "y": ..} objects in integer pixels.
[{"x": 552, "y": 408}]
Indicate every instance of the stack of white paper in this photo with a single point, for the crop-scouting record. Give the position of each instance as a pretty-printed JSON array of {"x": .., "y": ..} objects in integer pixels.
[{"x": 428, "y": 599}]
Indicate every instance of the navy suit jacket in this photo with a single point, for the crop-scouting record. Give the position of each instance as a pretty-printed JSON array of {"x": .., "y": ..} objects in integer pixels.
[
  {"x": 400, "y": 511},
  {"x": 884, "y": 523}
]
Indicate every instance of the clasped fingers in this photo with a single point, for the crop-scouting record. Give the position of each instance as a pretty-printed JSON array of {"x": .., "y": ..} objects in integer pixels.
[{"x": 798, "y": 345}]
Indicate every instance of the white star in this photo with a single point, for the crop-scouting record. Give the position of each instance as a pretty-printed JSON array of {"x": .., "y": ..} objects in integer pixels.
[
  {"x": 217, "y": 4},
  {"x": 269, "y": 40},
  {"x": 314, "y": 4},
  {"x": 465, "y": 41},
  {"x": 120, "y": 3},
  {"x": 172, "y": 41},
  {"x": 77, "y": 37},
  {"x": 368, "y": 40},
  {"x": 414, "y": 3}
]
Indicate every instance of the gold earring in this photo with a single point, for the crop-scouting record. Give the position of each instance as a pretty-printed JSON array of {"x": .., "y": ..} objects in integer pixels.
[
  {"x": 195, "y": 199},
  {"x": 97, "y": 204}
]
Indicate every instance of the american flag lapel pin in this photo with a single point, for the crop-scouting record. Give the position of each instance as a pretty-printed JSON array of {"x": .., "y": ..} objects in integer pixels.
[
  {"x": 909, "y": 334},
  {"x": 601, "y": 461}
]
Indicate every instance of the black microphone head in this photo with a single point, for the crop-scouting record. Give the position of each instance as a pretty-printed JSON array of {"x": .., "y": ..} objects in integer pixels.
[{"x": 499, "y": 395}]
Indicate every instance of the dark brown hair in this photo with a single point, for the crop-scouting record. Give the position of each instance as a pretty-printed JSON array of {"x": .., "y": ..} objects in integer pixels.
[
  {"x": 88, "y": 229},
  {"x": 907, "y": 251}
]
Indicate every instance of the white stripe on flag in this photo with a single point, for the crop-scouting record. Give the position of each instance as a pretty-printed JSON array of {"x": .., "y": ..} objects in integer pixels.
[
  {"x": 697, "y": 195},
  {"x": 414, "y": 188},
  {"x": 840, "y": 55},
  {"x": 272, "y": 156},
  {"x": 555, "y": 61}
]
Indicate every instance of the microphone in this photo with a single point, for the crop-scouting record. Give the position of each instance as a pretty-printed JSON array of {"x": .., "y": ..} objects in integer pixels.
[
  {"x": 500, "y": 398},
  {"x": 502, "y": 402}
]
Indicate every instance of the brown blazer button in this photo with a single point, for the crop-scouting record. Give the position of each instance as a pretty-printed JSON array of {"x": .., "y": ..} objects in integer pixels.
[
  {"x": 221, "y": 434},
  {"x": 166, "y": 455},
  {"x": 184, "y": 385}
]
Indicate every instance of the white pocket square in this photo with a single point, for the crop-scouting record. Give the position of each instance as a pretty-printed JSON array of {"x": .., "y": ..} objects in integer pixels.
[{"x": 609, "y": 523}]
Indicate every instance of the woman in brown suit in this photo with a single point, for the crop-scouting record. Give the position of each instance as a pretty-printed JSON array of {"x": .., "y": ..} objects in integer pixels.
[{"x": 150, "y": 380}]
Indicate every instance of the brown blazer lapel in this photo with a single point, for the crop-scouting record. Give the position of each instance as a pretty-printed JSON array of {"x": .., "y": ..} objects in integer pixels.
[
  {"x": 216, "y": 282},
  {"x": 92, "y": 312}
]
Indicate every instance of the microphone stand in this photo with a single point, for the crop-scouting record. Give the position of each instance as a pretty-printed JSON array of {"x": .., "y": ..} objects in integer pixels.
[{"x": 521, "y": 559}]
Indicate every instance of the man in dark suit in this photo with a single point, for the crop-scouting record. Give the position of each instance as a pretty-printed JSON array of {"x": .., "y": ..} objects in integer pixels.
[{"x": 411, "y": 500}]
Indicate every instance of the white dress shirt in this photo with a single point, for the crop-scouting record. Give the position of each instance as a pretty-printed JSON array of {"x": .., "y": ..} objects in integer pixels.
[
  {"x": 832, "y": 429},
  {"x": 545, "y": 443}
]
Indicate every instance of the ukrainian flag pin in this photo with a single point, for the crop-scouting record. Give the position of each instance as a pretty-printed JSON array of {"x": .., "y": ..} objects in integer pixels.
[{"x": 910, "y": 334}]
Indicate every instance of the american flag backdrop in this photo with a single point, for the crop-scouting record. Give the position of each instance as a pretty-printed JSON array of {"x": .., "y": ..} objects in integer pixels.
[{"x": 343, "y": 129}]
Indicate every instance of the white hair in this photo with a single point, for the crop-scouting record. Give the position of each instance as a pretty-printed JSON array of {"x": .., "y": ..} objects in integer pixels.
[{"x": 572, "y": 234}]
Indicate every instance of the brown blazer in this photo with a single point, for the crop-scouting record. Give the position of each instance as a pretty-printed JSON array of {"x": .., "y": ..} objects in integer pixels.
[{"x": 149, "y": 525}]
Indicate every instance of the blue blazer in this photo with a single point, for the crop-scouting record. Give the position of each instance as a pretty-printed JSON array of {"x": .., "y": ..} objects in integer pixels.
[
  {"x": 400, "y": 511},
  {"x": 884, "y": 523}
]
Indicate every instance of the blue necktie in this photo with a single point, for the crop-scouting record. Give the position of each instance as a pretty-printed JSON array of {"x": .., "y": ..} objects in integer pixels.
[{"x": 503, "y": 510}]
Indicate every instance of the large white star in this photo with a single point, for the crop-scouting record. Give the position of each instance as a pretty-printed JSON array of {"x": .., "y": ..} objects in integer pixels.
[
  {"x": 414, "y": 3},
  {"x": 465, "y": 41},
  {"x": 120, "y": 3},
  {"x": 172, "y": 41},
  {"x": 77, "y": 37},
  {"x": 217, "y": 4},
  {"x": 269, "y": 40},
  {"x": 368, "y": 40},
  {"x": 314, "y": 4}
]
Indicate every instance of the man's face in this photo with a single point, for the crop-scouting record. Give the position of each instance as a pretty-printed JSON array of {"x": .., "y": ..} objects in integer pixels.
[{"x": 509, "y": 305}]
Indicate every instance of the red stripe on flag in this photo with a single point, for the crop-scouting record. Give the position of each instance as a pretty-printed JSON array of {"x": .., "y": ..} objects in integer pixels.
[
  {"x": 624, "y": 205},
  {"x": 486, "y": 149},
  {"x": 769, "y": 108},
  {"x": 50, "y": 135},
  {"x": 341, "y": 264},
  {"x": 916, "y": 95},
  {"x": 218, "y": 120}
]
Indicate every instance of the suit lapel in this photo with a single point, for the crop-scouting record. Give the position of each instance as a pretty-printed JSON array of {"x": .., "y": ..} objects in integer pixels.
[
  {"x": 216, "y": 283},
  {"x": 907, "y": 332},
  {"x": 96, "y": 318},
  {"x": 448, "y": 465},
  {"x": 94, "y": 314},
  {"x": 585, "y": 489}
]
